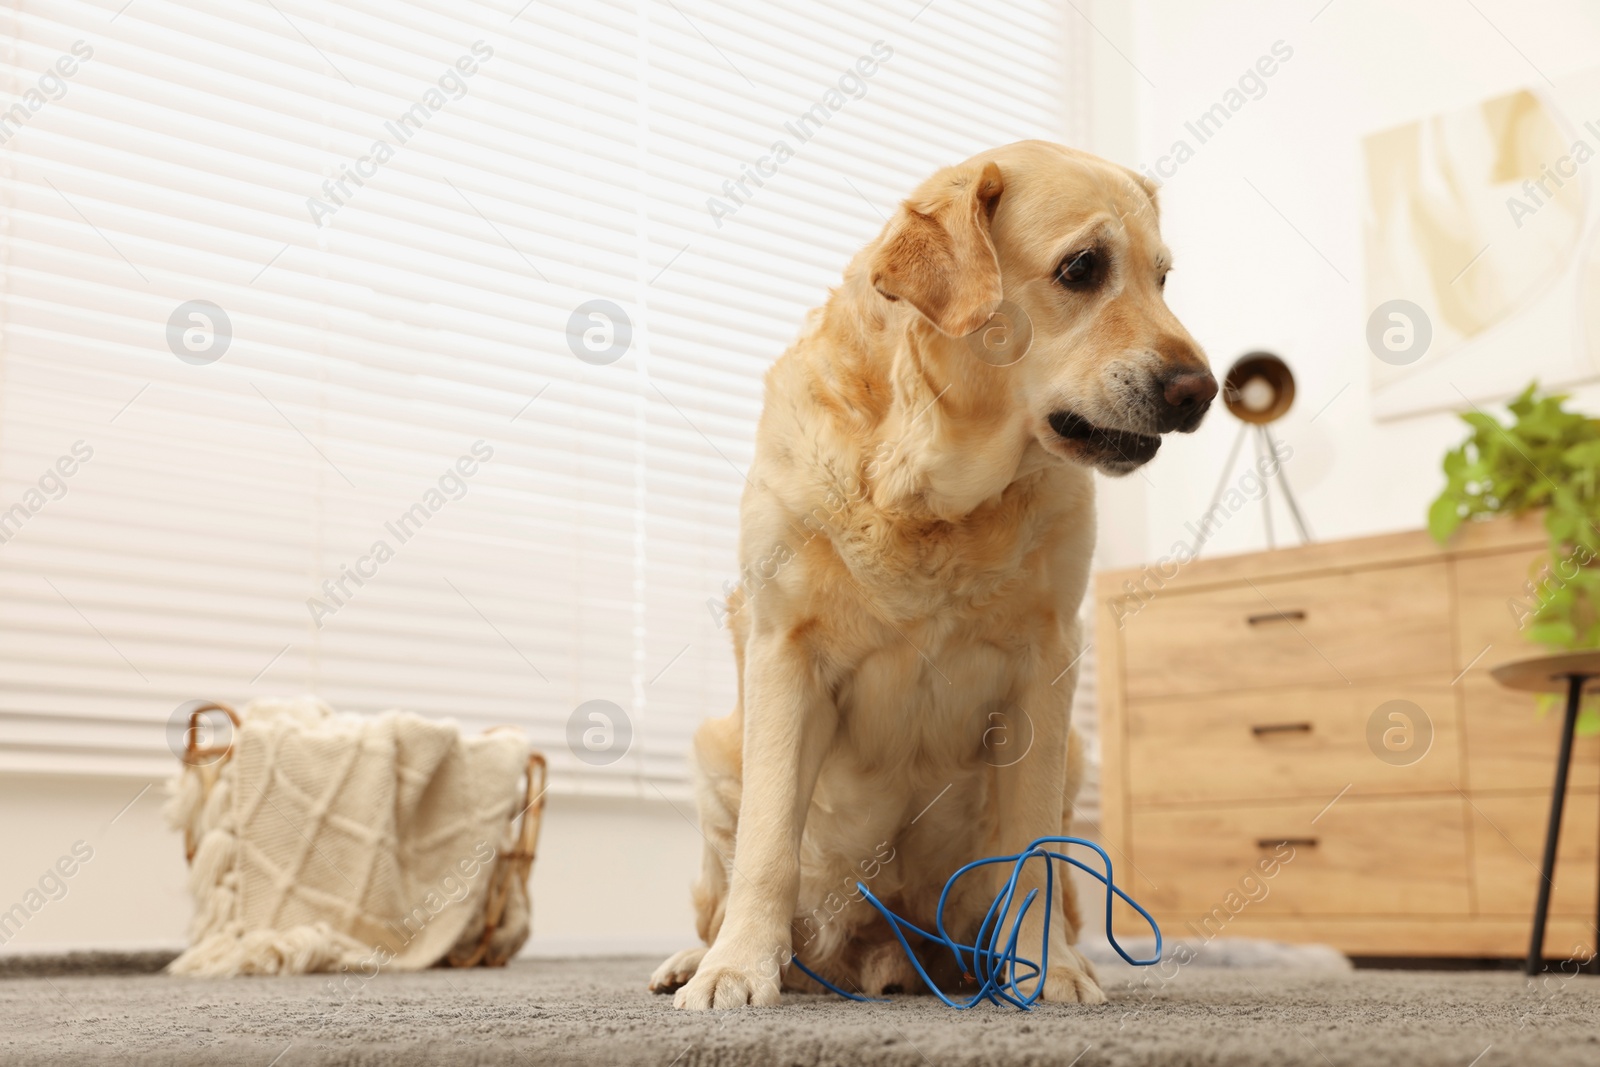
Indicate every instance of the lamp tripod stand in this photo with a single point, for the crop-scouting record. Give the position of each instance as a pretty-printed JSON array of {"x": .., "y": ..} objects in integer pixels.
[{"x": 1259, "y": 390}]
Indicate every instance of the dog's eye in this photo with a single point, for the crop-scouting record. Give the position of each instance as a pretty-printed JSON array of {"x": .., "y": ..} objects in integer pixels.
[
  {"x": 1162, "y": 281},
  {"x": 1080, "y": 270}
]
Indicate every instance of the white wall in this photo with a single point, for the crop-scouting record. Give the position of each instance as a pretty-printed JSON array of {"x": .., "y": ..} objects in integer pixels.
[
  {"x": 1245, "y": 279},
  {"x": 612, "y": 875}
]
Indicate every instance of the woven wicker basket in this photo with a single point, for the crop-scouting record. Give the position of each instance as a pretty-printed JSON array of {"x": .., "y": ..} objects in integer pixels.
[{"x": 511, "y": 870}]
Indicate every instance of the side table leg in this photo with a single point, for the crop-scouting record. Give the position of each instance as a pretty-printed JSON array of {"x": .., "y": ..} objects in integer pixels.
[{"x": 1552, "y": 837}]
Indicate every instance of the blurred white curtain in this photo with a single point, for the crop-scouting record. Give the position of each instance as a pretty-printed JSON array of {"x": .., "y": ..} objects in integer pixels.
[{"x": 302, "y": 294}]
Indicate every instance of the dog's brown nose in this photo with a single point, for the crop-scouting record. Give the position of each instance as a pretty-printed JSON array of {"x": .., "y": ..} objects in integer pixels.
[
  {"x": 1187, "y": 394},
  {"x": 1190, "y": 391}
]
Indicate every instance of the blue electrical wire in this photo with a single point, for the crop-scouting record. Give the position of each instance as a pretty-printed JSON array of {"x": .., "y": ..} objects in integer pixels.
[{"x": 998, "y": 967}]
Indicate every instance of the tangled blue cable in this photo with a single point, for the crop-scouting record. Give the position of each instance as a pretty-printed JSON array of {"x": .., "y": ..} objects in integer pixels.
[{"x": 993, "y": 958}]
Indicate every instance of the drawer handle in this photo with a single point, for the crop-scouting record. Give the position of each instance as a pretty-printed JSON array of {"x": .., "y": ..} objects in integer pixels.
[
  {"x": 1276, "y": 616},
  {"x": 1294, "y": 842},
  {"x": 1263, "y": 729}
]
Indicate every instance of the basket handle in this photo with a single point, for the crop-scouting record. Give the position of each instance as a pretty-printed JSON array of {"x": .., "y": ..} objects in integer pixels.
[
  {"x": 538, "y": 773},
  {"x": 193, "y": 754}
]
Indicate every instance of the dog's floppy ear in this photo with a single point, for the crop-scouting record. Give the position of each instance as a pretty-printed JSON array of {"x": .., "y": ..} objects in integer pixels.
[{"x": 936, "y": 254}]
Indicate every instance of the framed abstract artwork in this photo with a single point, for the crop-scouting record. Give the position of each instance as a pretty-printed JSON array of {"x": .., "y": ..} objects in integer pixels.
[{"x": 1482, "y": 238}]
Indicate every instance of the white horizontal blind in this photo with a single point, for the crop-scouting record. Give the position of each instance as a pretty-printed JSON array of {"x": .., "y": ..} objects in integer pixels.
[{"x": 398, "y": 208}]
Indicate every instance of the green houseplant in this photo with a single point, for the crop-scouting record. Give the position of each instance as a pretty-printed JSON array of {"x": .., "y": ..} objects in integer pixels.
[{"x": 1546, "y": 457}]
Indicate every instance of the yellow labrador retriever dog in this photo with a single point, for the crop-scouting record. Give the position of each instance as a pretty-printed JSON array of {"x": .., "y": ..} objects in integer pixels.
[{"x": 915, "y": 541}]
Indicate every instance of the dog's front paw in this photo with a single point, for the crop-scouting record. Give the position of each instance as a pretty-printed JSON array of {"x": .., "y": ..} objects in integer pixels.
[
  {"x": 1073, "y": 982},
  {"x": 721, "y": 984},
  {"x": 675, "y": 973}
]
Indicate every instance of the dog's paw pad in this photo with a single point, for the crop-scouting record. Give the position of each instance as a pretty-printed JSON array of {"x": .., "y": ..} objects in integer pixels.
[{"x": 721, "y": 986}]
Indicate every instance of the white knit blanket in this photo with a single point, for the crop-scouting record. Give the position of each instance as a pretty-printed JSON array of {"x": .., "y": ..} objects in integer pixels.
[{"x": 341, "y": 841}]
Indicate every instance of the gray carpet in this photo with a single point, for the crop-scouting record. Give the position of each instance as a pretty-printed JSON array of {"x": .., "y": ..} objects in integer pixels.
[{"x": 553, "y": 1013}]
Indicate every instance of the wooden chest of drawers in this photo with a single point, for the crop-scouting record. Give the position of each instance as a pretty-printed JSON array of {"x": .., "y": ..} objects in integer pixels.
[{"x": 1325, "y": 714}]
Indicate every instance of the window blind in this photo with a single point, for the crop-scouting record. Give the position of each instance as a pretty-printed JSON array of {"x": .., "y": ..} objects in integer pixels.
[{"x": 409, "y": 353}]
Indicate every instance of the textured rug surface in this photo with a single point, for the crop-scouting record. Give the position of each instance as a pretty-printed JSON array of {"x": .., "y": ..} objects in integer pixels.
[{"x": 543, "y": 1013}]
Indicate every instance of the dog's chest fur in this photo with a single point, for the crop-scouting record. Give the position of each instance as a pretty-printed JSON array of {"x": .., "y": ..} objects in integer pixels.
[
  {"x": 924, "y": 570},
  {"x": 948, "y": 619}
]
